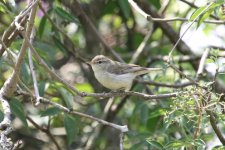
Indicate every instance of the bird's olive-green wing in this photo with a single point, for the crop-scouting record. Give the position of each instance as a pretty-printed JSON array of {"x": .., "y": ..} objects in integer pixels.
[{"x": 122, "y": 68}]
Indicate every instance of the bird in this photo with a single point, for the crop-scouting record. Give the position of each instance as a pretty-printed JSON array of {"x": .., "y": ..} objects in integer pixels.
[{"x": 115, "y": 75}]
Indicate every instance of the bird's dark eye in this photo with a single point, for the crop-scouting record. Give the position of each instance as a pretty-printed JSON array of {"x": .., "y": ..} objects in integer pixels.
[{"x": 99, "y": 62}]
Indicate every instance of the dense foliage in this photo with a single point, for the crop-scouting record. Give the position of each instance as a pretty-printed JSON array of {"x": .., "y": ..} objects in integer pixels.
[{"x": 187, "y": 111}]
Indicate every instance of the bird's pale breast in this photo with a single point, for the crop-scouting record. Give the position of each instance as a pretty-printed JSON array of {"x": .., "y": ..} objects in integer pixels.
[{"x": 115, "y": 82}]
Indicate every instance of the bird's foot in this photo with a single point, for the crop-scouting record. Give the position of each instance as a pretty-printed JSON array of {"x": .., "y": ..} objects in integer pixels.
[{"x": 118, "y": 90}]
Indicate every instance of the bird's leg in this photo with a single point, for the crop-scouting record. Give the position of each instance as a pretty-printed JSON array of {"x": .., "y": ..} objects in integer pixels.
[{"x": 118, "y": 90}]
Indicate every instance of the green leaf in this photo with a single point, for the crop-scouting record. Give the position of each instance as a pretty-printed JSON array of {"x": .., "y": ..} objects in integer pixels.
[
  {"x": 18, "y": 110},
  {"x": 41, "y": 88},
  {"x": 85, "y": 87},
  {"x": 204, "y": 12},
  {"x": 197, "y": 13},
  {"x": 50, "y": 111},
  {"x": 71, "y": 128},
  {"x": 1, "y": 115},
  {"x": 204, "y": 17},
  {"x": 59, "y": 45},
  {"x": 155, "y": 144},
  {"x": 67, "y": 97},
  {"x": 208, "y": 12},
  {"x": 208, "y": 60},
  {"x": 42, "y": 26},
  {"x": 65, "y": 15},
  {"x": 109, "y": 8},
  {"x": 138, "y": 145},
  {"x": 199, "y": 142},
  {"x": 156, "y": 3},
  {"x": 3, "y": 8},
  {"x": 125, "y": 7},
  {"x": 25, "y": 73},
  {"x": 175, "y": 144},
  {"x": 157, "y": 112}
]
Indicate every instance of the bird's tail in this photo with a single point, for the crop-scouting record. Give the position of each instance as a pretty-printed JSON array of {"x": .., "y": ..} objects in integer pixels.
[{"x": 148, "y": 70}]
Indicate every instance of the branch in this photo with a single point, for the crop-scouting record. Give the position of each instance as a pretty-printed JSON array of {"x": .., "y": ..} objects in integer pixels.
[
  {"x": 215, "y": 128},
  {"x": 194, "y": 6},
  {"x": 5, "y": 125},
  {"x": 121, "y": 140},
  {"x": 192, "y": 22},
  {"x": 33, "y": 73},
  {"x": 17, "y": 145},
  {"x": 46, "y": 131},
  {"x": 11, "y": 33},
  {"x": 69, "y": 111},
  {"x": 187, "y": 77},
  {"x": 180, "y": 59},
  {"x": 10, "y": 84},
  {"x": 97, "y": 130},
  {"x": 150, "y": 18},
  {"x": 202, "y": 63},
  {"x": 141, "y": 47}
]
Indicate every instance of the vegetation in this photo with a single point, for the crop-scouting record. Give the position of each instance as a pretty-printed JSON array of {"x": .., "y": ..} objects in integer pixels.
[{"x": 50, "y": 98}]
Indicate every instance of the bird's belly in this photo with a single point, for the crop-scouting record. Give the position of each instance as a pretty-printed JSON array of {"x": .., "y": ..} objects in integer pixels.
[{"x": 115, "y": 82}]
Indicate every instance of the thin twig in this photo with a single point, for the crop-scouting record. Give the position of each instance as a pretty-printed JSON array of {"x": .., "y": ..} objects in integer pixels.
[
  {"x": 25, "y": 12},
  {"x": 213, "y": 123},
  {"x": 194, "y": 6},
  {"x": 89, "y": 144},
  {"x": 222, "y": 48},
  {"x": 187, "y": 77},
  {"x": 69, "y": 111},
  {"x": 32, "y": 69},
  {"x": 17, "y": 145},
  {"x": 189, "y": 26},
  {"x": 180, "y": 59},
  {"x": 45, "y": 131},
  {"x": 10, "y": 34},
  {"x": 141, "y": 46},
  {"x": 200, "y": 109},
  {"x": 18, "y": 22},
  {"x": 33, "y": 73},
  {"x": 202, "y": 63},
  {"x": 164, "y": 6},
  {"x": 150, "y": 18},
  {"x": 121, "y": 140}
]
